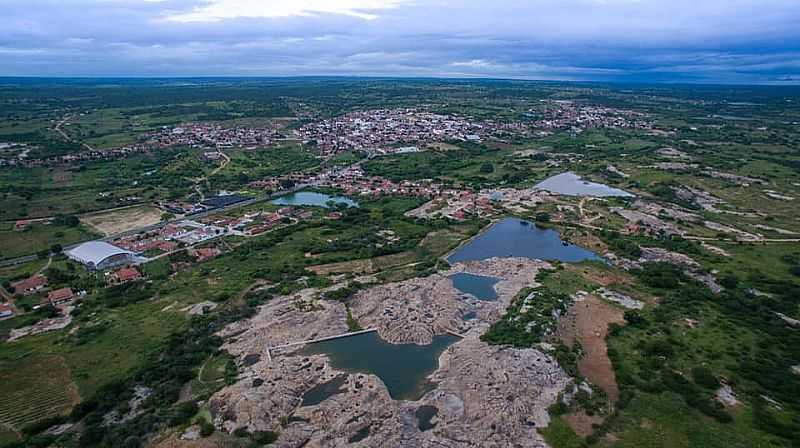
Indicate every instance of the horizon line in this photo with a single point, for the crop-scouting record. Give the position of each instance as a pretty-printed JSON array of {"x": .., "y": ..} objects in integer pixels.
[{"x": 775, "y": 83}]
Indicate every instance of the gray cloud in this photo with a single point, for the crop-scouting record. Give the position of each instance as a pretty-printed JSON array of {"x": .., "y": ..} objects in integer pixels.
[{"x": 661, "y": 40}]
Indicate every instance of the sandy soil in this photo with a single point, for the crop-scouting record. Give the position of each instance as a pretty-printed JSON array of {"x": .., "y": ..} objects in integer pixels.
[
  {"x": 121, "y": 220},
  {"x": 587, "y": 322}
]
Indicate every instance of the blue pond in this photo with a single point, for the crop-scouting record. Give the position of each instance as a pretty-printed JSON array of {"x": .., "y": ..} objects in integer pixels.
[
  {"x": 513, "y": 237},
  {"x": 313, "y": 199},
  {"x": 571, "y": 184},
  {"x": 480, "y": 286},
  {"x": 402, "y": 367}
]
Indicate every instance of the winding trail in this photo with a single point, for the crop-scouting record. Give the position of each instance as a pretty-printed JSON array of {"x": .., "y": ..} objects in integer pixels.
[{"x": 66, "y": 136}]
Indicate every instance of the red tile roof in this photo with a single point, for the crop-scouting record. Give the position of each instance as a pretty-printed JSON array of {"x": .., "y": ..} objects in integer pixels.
[
  {"x": 30, "y": 283},
  {"x": 60, "y": 294},
  {"x": 127, "y": 274}
]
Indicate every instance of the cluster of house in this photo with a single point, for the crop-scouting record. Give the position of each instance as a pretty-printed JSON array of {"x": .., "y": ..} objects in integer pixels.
[
  {"x": 456, "y": 205},
  {"x": 38, "y": 284},
  {"x": 353, "y": 181},
  {"x": 170, "y": 236},
  {"x": 212, "y": 135},
  {"x": 83, "y": 156},
  {"x": 197, "y": 135},
  {"x": 12, "y": 153},
  {"x": 388, "y": 131},
  {"x": 256, "y": 223},
  {"x": 563, "y": 114},
  {"x": 288, "y": 180}
]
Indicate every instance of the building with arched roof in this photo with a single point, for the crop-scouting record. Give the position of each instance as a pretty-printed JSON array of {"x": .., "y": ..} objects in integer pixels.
[{"x": 99, "y": 255}]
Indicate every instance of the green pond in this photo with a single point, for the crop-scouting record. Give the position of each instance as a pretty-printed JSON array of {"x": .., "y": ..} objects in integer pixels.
[{"x": 402, "y": 367}]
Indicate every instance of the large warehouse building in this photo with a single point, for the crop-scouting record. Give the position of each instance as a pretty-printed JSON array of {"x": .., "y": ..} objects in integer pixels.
[{"x": 99, "y": 255}]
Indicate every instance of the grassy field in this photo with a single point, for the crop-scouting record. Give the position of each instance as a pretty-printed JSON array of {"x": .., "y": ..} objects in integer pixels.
[
  {"x": 664, "y": 421},
  {"x": 40, "y": 237},
  {"x": 34, "y": 387}
]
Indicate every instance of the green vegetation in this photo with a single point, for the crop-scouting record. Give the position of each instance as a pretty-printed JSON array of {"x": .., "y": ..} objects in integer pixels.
[
  {"x": 669, "y": 358},
  {"x": 532, "y": 316},
  {"x": 38, "y": 237}
]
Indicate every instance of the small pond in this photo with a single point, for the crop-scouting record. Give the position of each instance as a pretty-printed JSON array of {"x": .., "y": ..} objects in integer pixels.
[
  {"x": 479, "y": 286},
  {"x": 322, "y": 392},
  {"x": 571, "y": 184},
  {"x": 402, "y": 367},
  {"x": 313, "y": 199},
  {"x": 514, "y": 237}
]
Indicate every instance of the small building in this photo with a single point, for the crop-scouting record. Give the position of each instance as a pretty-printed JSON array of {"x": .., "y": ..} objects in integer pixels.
[
  {"x": 6, "y": 311},
  {"x": 206, "y": 253},
  {"x": 99, "y": 255},
  {"x": 30, "y": 285},
  {"x": 58, "y": 297},
  {"x": 124, "y": 275},
  {"x": 21, "y": 224}
]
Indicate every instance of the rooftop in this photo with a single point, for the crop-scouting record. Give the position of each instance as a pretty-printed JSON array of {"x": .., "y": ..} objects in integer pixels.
[{"x": 95, "y": 252}]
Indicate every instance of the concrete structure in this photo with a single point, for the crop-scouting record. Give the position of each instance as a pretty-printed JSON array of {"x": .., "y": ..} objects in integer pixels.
[{"x": 99, "y": 255}]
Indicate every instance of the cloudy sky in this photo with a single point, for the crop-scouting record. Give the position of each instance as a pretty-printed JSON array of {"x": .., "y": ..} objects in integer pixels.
[{"x": 730, "y": 41}]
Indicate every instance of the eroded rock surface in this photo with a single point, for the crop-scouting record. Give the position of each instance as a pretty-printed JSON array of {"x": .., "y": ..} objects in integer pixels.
[
  {"x": 416, "y": 310},
  {"x": 483, "y": 395},
  {"x": 493, "y": 396},
  {"x": 284, "y": 320}
]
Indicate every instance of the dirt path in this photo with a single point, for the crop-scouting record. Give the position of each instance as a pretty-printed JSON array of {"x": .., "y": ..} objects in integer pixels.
[
  {"x": 44, "y": 268},
  {"x": 203, "y": 179},
  {"x": 222, "y": 165},
  {"x": 66, "y": 137}
]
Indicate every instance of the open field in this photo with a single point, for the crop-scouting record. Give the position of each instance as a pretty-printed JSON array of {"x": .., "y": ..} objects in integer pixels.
[
  {"x": 587, "y": 322},
  {"x": 121, "y": 220},
  {"x": 38, "y": 237},
  {"x": 34, "y": 387}
]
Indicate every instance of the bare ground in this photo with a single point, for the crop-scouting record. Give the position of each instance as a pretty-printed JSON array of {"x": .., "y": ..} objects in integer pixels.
[
  {"x": 587, "y": 322},
  {"x": 122, "y": 220}
]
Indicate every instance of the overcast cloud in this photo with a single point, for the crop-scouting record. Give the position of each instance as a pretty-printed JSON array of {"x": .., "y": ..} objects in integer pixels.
[{"x": 637, "y": 40}]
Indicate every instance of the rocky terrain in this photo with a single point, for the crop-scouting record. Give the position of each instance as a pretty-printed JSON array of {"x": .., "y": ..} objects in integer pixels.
[
  {"x": 486, "y": 396},
  {"x": 285, "y": 320},
  {"x": 416, "y": 310},
  {"x": 483, "y": 395}
]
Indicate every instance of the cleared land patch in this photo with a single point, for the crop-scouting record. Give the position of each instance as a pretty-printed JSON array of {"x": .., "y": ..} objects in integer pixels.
[
  {"x": 587, "y": 322},
  {"x": 121, "y": 220}
]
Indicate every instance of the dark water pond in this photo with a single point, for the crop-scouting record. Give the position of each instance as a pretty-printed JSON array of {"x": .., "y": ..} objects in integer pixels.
[
  {"x": 313, "y": 199},
  {"x": 424, "y": 416},
  {"x": 514, "y": 237},
  {"x": 479, "y": 286},
  {"x": 322, "y": 392},
  {"x": 402, "y": 367}
]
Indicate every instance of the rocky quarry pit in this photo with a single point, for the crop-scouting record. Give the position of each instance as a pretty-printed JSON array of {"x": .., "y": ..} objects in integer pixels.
[{"x": 482, "y": 395}]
